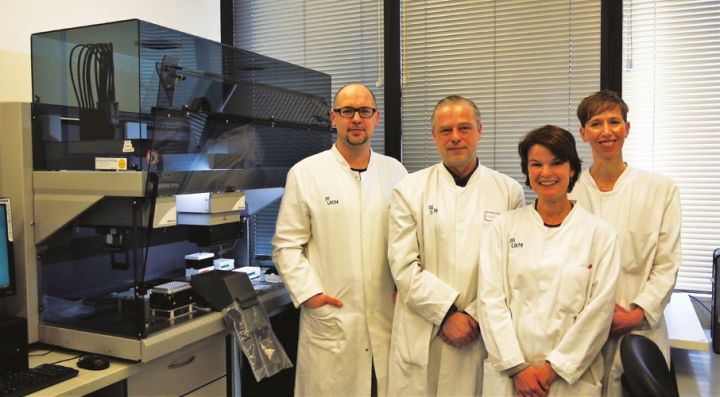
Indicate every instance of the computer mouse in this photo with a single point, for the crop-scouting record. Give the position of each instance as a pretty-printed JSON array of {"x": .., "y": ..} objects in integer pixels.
[{"x": 93, "y": 362}]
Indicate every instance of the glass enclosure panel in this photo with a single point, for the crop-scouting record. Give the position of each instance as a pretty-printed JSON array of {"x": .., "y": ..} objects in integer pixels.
[
  {"x": 164, "y": 101},
  {"x": 90, "y": 284},
  {"x": 64, "y": 66}
]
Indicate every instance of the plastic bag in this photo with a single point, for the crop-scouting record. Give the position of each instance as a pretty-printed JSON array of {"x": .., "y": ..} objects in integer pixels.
[
  {"x": 257, "y": 340},
  {"x": 58, "y": 309}
]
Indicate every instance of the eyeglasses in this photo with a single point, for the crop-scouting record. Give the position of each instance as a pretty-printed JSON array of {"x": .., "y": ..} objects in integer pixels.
[{"x": 348, "y": 112}]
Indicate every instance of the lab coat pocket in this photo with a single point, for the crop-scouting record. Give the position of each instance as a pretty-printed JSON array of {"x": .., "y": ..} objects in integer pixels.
[
  {"x": 324, "y": 328},
  {"x": 495, "y": 383},
  {"x": 324, "y": 311},
  {"x": 573, "y": 288},
  {"x": 637, "y": 246}
]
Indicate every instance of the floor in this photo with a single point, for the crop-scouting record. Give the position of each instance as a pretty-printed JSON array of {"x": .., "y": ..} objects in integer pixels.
[{"x": 697, "y": 373}]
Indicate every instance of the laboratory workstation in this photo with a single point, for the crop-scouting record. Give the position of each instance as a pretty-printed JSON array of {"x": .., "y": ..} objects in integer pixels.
[
  {"x": 135, "y": 231},
  {"x": 255, "y": 198}
]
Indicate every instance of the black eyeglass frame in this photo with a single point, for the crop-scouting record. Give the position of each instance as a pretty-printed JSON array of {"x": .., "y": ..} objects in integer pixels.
[{"x": 338, "y": 111}]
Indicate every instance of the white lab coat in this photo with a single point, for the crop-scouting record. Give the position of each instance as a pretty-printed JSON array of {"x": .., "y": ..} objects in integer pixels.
[
  {"x": 435, "y": 230},
  {"x": 644, "y": 208},
  {"x": 331, "y": 237},
  {"x": 547, "y": 294}
]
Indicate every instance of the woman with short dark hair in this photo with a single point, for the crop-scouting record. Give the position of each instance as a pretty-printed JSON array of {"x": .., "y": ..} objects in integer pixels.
[
  {"x": 644, "y": 209},
  {"x": 547, "y": 282}
]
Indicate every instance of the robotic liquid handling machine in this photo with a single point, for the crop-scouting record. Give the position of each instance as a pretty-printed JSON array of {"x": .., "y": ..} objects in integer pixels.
[{"x": 151, "y": 146}]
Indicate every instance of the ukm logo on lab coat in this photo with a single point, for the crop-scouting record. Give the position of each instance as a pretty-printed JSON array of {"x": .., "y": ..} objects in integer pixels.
[
  {"x": 432, "y": 210},
  {"x": 330, "y": 201},
  {"x": 515, "y": 244}
]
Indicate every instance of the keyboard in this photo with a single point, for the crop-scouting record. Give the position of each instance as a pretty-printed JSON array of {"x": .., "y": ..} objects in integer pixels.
[{"x": 20, "y": 383}]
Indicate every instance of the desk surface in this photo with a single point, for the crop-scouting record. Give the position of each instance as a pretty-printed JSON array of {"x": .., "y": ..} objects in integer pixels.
[
  {"x": 684, "y": 328},
  {"x": 87, "y": 381}
]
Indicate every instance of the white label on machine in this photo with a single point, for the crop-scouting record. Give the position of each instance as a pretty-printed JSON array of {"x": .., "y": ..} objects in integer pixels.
[
  {"x": 128, "y": 146},
  {"x": 111, "y": 163}
]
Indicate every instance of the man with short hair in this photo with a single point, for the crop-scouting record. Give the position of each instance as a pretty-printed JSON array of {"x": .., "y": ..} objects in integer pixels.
[
  {"x": 330, "y": 248},
  {"x": 437, "y": 218}
]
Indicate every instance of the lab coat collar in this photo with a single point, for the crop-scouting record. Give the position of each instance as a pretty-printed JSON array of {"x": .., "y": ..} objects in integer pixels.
[
  {"x": 341, "y": 160},
  {"x": 462, "y": 182},
  {"x": 619, "y": 184},
  {"x": 568, "y": 219},
  {"x": 476, "y": 175}
]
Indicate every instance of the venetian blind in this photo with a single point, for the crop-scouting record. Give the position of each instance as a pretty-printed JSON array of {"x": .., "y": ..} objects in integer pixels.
[
  {"x": 525, "y": 63},
  {"x": 671, "y": 82},
  {"x": 342, "y": 39}
]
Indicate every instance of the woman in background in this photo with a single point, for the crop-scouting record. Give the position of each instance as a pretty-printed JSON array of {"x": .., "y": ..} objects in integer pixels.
[{"x": 644, "y": 209}]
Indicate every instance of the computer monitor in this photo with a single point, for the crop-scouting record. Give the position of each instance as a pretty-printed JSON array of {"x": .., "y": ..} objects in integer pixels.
[{"x": 7, "y": 258}]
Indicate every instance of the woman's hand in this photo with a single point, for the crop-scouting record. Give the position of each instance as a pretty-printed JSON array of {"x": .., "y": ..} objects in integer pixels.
[{"x": 624, "y": 321}]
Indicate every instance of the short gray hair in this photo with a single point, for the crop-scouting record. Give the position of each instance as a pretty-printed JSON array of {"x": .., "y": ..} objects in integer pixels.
[{"x": 451, "y": 99}]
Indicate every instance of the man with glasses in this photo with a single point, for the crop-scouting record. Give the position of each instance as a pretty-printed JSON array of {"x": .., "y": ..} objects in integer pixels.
[
  {"x": 437, "y": 218},
  {"x": 330, "y": 247}
]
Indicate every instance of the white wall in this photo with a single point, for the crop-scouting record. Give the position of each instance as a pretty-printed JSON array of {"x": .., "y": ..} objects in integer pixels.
[{"x": 19, "y": 19}]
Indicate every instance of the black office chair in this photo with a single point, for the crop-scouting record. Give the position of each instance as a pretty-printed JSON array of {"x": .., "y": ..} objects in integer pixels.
[{"x": 645, "y": 371}]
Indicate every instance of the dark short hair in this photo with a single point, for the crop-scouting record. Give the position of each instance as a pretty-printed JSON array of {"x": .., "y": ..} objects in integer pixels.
[
  {"x": 354, "y": 83},
  {"x": 455, "y": 99},
  {"x": 559, "y": 141},
  {"x": 599, "y": 102}
]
